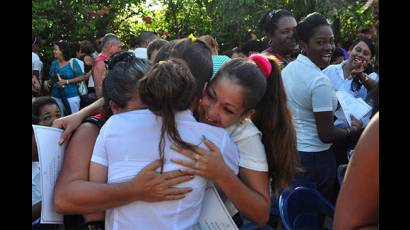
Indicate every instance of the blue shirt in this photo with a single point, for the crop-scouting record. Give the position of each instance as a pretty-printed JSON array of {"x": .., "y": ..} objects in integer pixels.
[{"x": 66, "y": 72}]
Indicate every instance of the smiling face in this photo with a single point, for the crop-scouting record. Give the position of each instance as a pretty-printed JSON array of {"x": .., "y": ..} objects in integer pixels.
[
  {"x": 57, "y": 52},
  {"x": 282, "y": 39},
  {"x": 320, "y": 46},
  {"x": 222, "y": 103},
  {"x": 360, "y": 55}
]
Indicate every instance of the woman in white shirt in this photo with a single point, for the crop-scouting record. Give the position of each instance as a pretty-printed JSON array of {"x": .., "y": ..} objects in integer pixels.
[
  {"x": 130, "y": 140},
  {"x": 250, "y": 102},
  {"x": 312, "y": 100},
  {"x": 349, "y": 76}
]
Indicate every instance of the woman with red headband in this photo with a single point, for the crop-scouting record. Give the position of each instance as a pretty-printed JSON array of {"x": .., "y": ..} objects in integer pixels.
[{"x": 250, "y": 102}]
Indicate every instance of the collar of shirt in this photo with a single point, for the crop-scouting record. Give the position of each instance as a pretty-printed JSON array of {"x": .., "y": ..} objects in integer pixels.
[{"x": 305, "y": 60}]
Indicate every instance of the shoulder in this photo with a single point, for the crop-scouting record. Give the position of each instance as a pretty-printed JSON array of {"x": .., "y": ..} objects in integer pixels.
[
  {"x": 34, "y": 56},
  {"x": 243, "y": 130},
  {"x": 331, "y": 68}
]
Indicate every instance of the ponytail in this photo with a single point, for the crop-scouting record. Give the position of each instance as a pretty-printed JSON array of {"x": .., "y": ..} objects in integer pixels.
[
  {"x": 273, "y": 118},
  {"x": 168, "y": 87}
]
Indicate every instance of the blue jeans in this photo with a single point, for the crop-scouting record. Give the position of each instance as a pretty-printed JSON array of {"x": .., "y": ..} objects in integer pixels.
[{"x": 320, "y": 170}]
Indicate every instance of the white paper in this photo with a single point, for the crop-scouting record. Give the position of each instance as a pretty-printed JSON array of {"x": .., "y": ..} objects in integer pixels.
[
  {"x": 51, "y": 156},
  {"x": 214, "y": 215},
  {"x": 352, "y": 106}
]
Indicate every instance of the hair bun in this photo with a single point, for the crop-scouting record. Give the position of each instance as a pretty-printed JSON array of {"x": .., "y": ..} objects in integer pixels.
[{"x": 263, "y": 63}]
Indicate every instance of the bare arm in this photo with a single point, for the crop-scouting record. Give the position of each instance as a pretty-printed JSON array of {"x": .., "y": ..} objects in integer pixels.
[
  {"x": 328, "y": 133},
  {"x": 250, "y": 193},
  {"x": 98, "y": 76},
  {"x": 75, "y": 194},
  {"x": 357, "y": 203},
  {"x": 71, "y": 122}
]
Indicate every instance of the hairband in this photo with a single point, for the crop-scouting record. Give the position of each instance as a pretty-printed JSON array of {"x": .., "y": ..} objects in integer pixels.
[{"x": 263, "y": 63}]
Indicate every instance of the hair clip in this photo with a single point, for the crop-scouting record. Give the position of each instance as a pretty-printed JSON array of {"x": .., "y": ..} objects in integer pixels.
[
  {"x": 161, "y": 62},
  {"x": 271, "y": 13},
  {"x": 192, "y": 37}
]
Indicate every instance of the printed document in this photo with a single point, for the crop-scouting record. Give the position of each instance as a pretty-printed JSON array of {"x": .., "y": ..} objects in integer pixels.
[
  {"x": 352, "y": 106},
  {"x": 214, "y": 215},
  {"x": 51, "y": 156}
]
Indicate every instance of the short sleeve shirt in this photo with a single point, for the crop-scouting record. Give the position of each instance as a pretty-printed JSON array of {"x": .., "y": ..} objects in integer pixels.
[{"x": 308, "y": 91}]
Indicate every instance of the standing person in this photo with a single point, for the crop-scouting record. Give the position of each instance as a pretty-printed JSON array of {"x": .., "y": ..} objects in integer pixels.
[
  {"x": 74, "y": 194},
  {"x": 145, "y": 38},
  {"x": 146, "y": 135},
  {"x": 36, "y": 69},
  {"x": 110, "y": 44},
  {"x": 64, "y": 78},
  {"x": 312, "y": 100},
  {"x": 280, "y": 26},
  {"x": 86, "y": 51},
  {"x": 250, "y": 103}
]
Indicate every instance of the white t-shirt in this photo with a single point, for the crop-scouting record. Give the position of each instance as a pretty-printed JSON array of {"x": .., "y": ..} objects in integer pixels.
[
  {"x": 129, "y": 141},
  {"x": 336, "y": 76},
  {"x": 141, "y": 53},
  {"x": 36, "y": 63},
  {"x": 35, "y": 182},
  {"x": 251, "y": 150},
  {"x": 308, "y": 91}
]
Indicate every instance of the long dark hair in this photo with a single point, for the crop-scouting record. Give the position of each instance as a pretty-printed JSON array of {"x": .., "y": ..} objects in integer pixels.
[
  {"x": 167, "y": 88},
  {"x": 272, "y": 116},
  {"x": 120, "y": 84}
]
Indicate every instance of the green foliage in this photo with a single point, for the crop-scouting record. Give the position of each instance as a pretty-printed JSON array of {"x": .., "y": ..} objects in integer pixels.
[{"x": 228, "y": 21}]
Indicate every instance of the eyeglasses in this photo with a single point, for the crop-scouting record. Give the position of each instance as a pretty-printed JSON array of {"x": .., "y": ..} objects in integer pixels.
[{"x": 120, "y": 56}]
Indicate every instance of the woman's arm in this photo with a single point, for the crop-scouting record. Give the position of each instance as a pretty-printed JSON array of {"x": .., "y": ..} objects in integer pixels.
[
  {"x": 74, "y": 194},
  {"x": 357, "y": 203},
  {"x": 71, "y": 122},
  {"x": 250, "y": 193},
  {"x": 328, "y": 133}
]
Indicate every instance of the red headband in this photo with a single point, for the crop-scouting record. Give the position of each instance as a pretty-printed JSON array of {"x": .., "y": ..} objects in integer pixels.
[{"x": 263, "y": 63}]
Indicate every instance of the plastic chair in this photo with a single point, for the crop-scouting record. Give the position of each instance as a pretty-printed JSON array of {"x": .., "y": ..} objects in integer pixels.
[{"x": 304, "y": 208}]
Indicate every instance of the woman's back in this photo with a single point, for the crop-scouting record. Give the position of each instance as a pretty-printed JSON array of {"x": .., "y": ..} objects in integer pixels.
[{"x": 129, "y": 141}]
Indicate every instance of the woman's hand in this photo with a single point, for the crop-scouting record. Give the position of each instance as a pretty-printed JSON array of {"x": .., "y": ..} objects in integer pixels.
[
  {"x": 151, "y": 186},
  {"x": 356, "y": 124},
  {"x": 209, "y": 164},
  {"x": 69, "y": 123},
  {"x": 62, "y": 83}
]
